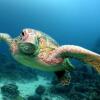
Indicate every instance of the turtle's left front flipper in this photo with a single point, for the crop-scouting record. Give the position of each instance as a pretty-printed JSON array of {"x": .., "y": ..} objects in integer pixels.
[{"x": 79, "y": 53}]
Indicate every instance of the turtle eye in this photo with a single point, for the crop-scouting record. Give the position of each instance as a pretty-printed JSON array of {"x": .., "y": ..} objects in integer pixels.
[{"x": 23, "y": 34}]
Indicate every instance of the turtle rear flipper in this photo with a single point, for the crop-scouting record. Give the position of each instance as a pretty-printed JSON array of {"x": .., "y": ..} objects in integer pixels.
[
  {"x": 63, "y": 77},
  {"x": 69, "y": 66}
]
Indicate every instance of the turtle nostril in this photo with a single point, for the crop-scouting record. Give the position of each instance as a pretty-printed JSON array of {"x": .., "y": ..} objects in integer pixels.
[{"x": 23, "y": 34}]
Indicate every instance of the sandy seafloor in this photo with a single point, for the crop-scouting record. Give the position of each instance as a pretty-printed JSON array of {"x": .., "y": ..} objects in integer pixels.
[{"x": 27, "y": 88}]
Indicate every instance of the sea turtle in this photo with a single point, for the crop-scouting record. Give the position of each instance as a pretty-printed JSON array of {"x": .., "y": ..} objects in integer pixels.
[{"x": 38, "y": 50}]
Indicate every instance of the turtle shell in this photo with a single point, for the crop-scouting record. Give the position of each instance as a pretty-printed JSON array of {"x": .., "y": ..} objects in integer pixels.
[{"x": 27, "y": 48}]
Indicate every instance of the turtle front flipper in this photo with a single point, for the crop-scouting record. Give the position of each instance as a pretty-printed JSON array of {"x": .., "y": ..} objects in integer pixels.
[
  {"x": 78, "y": 53},
  {"x": 6, "y": 37},
  {"x": 63, "y": 77}
]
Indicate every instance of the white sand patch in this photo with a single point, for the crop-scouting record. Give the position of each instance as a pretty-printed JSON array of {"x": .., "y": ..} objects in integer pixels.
[
  {"x": 1, "y": 84},
  {"x": 29, "y": 87}
]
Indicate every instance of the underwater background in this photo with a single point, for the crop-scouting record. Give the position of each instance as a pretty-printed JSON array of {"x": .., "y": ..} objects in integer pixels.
[{"x": 74, "y": 22}]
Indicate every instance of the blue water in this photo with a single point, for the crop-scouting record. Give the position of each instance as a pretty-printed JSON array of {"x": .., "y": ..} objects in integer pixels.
[
  {"x": 67, "y": 21},
  {"x": 76, "y": 21}
]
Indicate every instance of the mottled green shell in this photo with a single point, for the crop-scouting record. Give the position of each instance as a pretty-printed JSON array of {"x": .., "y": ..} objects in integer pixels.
[{"x": 50, "y": 39}]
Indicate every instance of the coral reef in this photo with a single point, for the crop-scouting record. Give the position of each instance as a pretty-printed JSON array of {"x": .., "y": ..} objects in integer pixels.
[
  {"x": 10, "y": 92},
  {"x": 34, "y": 97},
  {"x": 40, "y": 90},
  {"x": 84, "y": 86},
  {"x": 12, "y": 71},
  {"x": 85, "y": 83}
]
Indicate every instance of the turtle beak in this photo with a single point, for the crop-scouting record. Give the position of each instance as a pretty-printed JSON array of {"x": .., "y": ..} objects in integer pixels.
[{"x": 18, "y": 39}]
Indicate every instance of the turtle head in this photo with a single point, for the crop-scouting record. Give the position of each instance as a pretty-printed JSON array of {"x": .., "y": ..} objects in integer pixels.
[
  {"x": 28, "y": 35},
  {"x": 26, "y": 43}
]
